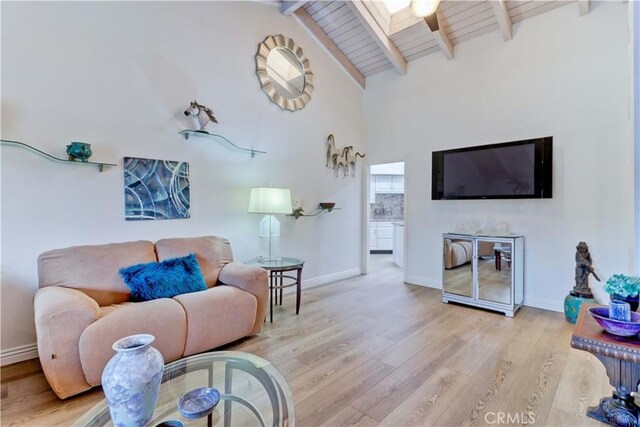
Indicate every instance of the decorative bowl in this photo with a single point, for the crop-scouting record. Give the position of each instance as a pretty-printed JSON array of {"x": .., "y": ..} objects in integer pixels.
[
  {"x": 616, "y": 327},
  {"x": 327, "y": 205},
  {"x": 171, "y": 423},
  {"x": 199, "y": 403},
  {"x": 79, "y": 151}
]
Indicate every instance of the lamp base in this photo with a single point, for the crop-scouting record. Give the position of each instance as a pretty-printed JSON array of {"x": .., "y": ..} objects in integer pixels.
[{"x": 270, "y": 236}]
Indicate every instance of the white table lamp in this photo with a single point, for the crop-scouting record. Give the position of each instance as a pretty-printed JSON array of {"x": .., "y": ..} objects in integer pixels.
[{"x": 270, "y": 201}]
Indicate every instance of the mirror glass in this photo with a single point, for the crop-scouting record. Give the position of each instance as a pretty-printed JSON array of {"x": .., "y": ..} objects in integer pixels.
[
  {"x": 285, "y": 72},
  {"x": 458, "y": 261},
  {"x": 494, "y": 271}
]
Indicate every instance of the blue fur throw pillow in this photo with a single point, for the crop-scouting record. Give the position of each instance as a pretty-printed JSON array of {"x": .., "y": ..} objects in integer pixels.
[{"x": 164, "y": 279}]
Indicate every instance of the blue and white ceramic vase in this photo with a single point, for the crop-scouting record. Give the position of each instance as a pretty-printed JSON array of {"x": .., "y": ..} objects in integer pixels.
[
  {"x": 131, "y": 380},
  {"x": 633, "y": 301}
]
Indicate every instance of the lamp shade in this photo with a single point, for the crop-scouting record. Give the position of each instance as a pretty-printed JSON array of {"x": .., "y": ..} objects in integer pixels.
[{"x": 267, "y": 200}]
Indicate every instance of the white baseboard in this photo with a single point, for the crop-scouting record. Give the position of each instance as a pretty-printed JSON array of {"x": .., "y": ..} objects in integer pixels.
[
  {"x": 543, "y": 303},
  {"x": 323, "y": 280},
  {"x": 423, "y": 281},
  {"x": 333, "y": 277},
  {"x": 18, "y": 354}
]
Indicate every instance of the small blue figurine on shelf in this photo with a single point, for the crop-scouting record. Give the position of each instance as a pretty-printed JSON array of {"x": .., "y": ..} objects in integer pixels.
[{"x": 581, "y": 292}]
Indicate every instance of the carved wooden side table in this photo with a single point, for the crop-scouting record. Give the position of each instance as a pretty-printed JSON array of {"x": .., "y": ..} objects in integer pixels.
[{"x": 621, "y": 358}]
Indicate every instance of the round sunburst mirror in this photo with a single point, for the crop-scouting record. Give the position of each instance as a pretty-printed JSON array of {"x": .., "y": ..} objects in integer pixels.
[{"x": 284, "y": 72}]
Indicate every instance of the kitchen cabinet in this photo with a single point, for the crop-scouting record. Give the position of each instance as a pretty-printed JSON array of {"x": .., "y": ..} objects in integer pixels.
[
  {"x": 380, "y": 236},
  {"x": 385, "y": 184},
  {"x": 397, "y": 183},
  {"x": 373, "y": 243},
  {"x": 398, "y": 244}
]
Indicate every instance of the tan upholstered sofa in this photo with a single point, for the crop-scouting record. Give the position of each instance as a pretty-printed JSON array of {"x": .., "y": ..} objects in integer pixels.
[
  {"x": 82, "y": 306},
  {"x": 459, "y": 252}
]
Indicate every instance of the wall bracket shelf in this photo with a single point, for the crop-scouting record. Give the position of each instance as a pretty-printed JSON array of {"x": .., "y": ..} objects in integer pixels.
[
  {"x": 219, "y": 138},
  {"x": 53, "y": 158},
  {"x": 316, "y": 212}
]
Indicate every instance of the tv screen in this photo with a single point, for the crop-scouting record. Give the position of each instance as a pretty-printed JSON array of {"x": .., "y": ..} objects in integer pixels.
[{"x": 511, "y": 170}]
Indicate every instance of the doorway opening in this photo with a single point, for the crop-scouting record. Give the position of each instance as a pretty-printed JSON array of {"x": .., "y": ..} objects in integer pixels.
[{"x": 386, "y": 218}]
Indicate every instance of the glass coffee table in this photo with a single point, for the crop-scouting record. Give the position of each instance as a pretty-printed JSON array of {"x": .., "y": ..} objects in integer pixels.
[{"x": 253, "y": 392}]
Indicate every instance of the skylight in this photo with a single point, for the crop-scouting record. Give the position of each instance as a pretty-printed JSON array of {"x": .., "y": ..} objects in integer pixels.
[{"x": 395, "y": 5}]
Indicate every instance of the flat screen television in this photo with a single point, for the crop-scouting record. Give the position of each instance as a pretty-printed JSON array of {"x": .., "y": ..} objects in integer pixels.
[{"x": 510, "y": 170}]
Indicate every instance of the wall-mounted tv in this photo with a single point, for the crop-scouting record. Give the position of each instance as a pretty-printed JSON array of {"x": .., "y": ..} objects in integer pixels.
[{"x": 510, "y": 170}]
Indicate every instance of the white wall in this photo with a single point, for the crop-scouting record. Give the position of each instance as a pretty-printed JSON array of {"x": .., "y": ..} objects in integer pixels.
[
  {"x": 634, "y": 19},
  {"x": 119, "y": 75},
  {"x": 561, "y": 75}
]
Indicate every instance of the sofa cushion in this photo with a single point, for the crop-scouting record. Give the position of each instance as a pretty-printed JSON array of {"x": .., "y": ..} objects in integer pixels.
[
  {"x": 164, "y": 279},
  {"x": 468, "y": 249},
  {"x": 163, "y": 318},
  {"x": 216, "y": 317},
  {"x": 212, "y": 253},
  {"x": 94, "y": 269}
]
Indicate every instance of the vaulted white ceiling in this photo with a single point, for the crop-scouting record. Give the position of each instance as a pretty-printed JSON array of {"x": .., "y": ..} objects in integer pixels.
[{"x": 366, "y": 38}]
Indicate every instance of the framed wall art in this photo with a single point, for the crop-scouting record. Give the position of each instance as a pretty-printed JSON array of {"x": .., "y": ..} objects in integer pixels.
[{"x": 156, "y": 189}]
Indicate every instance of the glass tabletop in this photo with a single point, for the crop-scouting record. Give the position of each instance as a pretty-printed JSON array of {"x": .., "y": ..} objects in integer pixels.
[
  {"x": 253, "y": 392},
  {"x": 269, "y": 264}
]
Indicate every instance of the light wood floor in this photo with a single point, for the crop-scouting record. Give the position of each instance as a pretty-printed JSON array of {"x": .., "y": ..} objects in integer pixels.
[{"x": 374, "y": 351}]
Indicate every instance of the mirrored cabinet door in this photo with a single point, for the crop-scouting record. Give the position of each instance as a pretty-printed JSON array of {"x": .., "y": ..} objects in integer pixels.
[
  {"x": 494, "y": 271},
  {"x": 458, "y": 266}
]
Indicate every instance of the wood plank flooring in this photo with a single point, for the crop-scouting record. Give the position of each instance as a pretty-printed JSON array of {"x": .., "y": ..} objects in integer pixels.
[{"x": 372, "y": 350}]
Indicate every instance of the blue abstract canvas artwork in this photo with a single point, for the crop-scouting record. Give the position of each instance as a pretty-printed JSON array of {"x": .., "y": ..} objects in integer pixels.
[{"x": 155, "y": 189}]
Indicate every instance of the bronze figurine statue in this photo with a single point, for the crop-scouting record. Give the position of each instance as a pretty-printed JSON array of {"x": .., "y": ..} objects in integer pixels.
[{"x": 583, "y": 269}]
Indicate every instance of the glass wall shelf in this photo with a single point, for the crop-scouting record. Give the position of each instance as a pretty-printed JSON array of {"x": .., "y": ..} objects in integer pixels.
[
  {"x": 317, "y": 211},
  {"x": 221, "y": 140},
  {"x": 53, "y": 158}
]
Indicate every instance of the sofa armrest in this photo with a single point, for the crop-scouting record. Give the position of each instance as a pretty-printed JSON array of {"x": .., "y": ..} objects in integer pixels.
[
  {"x": 254, "y": 280},
  {"x": 61, "y": 316}
]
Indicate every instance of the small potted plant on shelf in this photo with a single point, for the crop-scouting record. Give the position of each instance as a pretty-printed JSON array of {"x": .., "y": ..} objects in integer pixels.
[
  {"x": 624, "y": 288},
  {"x": 297, "y": 213}
]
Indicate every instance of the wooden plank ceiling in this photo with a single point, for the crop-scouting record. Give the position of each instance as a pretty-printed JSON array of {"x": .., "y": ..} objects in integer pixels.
[
  {"x": 341, "y": 25},
  {"x": 366, "y": 39}
]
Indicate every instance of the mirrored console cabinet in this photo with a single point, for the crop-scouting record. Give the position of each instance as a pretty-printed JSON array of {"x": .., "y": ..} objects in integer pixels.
[{"x": 483, "y": 271}]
